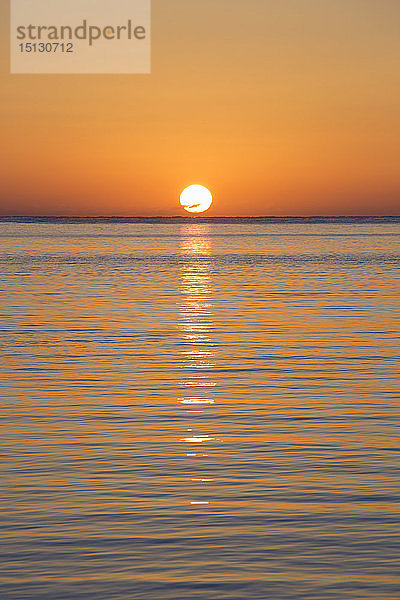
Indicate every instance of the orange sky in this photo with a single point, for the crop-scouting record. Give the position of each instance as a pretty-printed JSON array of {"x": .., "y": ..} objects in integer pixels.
[{"x": 279, "y": 107}]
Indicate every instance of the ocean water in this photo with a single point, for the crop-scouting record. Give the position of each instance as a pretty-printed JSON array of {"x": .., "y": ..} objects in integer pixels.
[{"x": 200, "y": 410}]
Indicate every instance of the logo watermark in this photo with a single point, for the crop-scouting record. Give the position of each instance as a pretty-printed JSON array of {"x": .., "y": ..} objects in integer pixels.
[{"x": 80, "y": 36}]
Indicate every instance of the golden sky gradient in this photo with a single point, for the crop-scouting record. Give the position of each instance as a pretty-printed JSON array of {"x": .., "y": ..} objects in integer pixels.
[{"x": 280, "y": 107}]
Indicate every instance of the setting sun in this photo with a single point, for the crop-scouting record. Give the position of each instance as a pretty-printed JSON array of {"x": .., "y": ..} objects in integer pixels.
[{"x": 196, "y": 199}]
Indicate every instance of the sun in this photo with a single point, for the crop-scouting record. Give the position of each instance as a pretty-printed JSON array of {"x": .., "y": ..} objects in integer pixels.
[{"x": 196, "y": 198}]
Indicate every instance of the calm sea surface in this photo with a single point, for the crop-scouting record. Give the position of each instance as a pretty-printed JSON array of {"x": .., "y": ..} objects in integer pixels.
[{"x": 200, "y": 411}]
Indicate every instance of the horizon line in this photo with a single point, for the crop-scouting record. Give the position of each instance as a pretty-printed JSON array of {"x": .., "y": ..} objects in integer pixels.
[{"x": 192, "y": 216}]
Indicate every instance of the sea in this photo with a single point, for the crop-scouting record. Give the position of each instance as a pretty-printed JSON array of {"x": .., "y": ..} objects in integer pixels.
[{"x": 200, "y": 409}]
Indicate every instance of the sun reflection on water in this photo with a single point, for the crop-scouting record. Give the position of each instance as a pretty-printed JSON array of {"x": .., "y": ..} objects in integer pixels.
[
  {"x": 196, "y": 401},
  {"x": 196, "y": 327}
]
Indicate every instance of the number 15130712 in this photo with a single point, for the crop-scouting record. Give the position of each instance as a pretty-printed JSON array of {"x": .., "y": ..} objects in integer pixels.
[{"x": 46, "y": 47}]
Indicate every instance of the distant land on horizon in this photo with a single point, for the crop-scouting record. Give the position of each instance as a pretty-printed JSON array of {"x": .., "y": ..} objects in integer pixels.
[{"x": 200, "y": 219}]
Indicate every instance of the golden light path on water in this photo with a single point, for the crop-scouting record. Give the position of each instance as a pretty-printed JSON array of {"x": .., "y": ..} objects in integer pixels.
[{"x": 196, "y": 328}]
